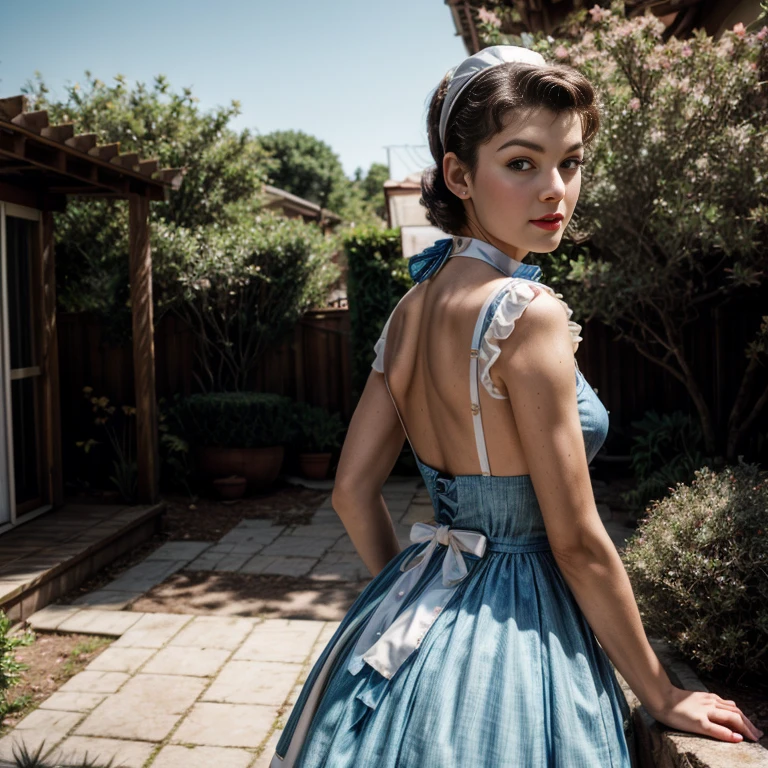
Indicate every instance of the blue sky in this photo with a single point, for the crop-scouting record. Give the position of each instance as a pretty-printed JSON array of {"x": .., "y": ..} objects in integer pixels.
[{"x": 354, "y": 73}]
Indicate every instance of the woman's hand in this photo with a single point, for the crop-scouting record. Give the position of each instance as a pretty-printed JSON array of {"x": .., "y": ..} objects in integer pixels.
[{"x": 705, "y": 713}]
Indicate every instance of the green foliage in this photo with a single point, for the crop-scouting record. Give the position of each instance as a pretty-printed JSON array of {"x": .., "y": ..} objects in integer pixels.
[
  {"x": 697, "y": 565},
  {"x": 673, "y": 212},
  {"x": 317, "y": 430},
  {"x": 378, "y": 279},
  {"x": 242, "y": 287},
  {"x": 10, "y": 669},
  {"x": 119, "y": 427},
  {"x": 235, "y": 419},
  {"x": 372, "y": 186},
  {"x": 305, "y": 166},
  {"x": 23, "y": 757},
  {"x": 666, "y": 451}
]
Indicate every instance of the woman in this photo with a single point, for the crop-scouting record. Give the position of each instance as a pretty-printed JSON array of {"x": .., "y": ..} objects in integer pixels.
[{"x": 487, "y": 641}]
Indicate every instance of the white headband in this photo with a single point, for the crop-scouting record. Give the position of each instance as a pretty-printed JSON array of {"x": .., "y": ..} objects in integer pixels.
[{"x": 470, "y": 68}]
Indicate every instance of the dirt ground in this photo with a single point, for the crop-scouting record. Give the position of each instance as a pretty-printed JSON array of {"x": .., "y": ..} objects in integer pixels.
[
  {"x": 52, "y": 660},
  {"x": 209, "y": 519}
]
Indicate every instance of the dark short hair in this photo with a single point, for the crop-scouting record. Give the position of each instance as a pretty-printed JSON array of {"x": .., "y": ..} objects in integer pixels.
[{"x": 479, "y": 113}]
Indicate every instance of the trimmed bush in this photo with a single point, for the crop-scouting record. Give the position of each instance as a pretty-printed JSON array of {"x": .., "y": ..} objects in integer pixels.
[
  {"x": 10, "y": 669},
  {"x": 378, "y": 278},
  {"x": 698, "y": 568},
  {"x": 235, "y": 419},
  {"x": 317, "y": 430}
]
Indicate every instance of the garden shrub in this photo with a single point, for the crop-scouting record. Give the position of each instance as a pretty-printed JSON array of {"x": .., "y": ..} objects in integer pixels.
[
  {"x": 378, "y": 278},
  {"x": 234, "y": 419},
  {"x": 697, "y": 564},
  {"x": 317, "y": 430},
  {"x": 10, "y": 669},
  {"x": 665, "y": 451}
]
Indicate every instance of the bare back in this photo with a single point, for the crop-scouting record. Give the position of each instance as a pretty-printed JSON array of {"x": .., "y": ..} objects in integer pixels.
[{"x": 426, "y": 365}]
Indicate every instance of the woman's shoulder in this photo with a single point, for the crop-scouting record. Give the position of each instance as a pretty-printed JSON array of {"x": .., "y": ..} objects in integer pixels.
[{"x": 545, "y": 315}]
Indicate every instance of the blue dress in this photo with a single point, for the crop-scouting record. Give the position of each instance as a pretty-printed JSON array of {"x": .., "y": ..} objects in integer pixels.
[{"x": 468, "y": 648}]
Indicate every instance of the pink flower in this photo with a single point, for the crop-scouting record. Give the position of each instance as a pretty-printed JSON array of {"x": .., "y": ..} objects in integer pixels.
[
  {"x": 561, "y": 52},
  {"x": 686, "y": 51},
  {"x": 739, "y": 29},
  {"x": 488, "y": 17},
  {"x": 634, "y": 104},
  {"x": 761, "y": 35},
  {"x": 599, "y": 14}
]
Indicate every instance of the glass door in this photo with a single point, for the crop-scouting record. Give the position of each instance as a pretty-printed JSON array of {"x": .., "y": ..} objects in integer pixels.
[{"x": 22, "y": 379}]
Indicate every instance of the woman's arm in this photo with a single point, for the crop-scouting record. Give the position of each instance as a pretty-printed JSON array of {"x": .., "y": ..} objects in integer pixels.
[
  {"x": 536, "y": 365},
  {"x": 373, "y": 443}
]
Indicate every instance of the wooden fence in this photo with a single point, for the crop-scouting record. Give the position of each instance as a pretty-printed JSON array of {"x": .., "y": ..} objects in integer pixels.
[{"x": 314, "y": 365}]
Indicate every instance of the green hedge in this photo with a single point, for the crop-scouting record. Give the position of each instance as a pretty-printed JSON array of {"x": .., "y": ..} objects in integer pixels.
[
  {"x": 378, "y": 278},
  {"x": 234, "y": 419}
]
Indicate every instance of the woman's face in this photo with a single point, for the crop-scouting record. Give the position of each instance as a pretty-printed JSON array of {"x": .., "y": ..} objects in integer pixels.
[{"x": 528, "y": 170}]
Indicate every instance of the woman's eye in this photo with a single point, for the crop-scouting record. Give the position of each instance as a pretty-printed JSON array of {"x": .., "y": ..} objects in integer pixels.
[{"x": 514, "y": 164}]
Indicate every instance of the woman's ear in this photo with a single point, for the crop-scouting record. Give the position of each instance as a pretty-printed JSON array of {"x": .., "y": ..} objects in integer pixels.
[{"x": 455, "y": 175}]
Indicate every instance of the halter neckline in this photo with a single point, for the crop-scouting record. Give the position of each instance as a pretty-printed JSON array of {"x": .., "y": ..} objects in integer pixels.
[{"x": 424, "y": 265}]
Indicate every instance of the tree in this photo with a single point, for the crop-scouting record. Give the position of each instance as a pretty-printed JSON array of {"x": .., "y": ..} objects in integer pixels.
[{"x": 306, "y": 166}]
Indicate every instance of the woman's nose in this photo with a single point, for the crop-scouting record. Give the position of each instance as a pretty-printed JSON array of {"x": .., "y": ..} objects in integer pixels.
[{"x": 554, "y": 186}]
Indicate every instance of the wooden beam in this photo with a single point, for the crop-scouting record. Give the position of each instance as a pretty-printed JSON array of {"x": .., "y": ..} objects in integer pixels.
[
  {"x": 59, "y": 133},
  {"x": 140, "y": 273},
  {"x": 148, "y": 167},
  {"x": 128, "y": 160},
  {"x": 32, "y": 121},
  {"x": 105, "y": 151},
  {"x": 83, "y": 142},
  {"x": 12, "y": 107},
  {"x": 172, "y": 176},
  {"x": 50, "y": 366},
  {"x": 12, "y": 144}
]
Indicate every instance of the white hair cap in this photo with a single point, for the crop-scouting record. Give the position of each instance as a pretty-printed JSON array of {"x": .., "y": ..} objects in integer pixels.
[{"x": 465, "y": 73}]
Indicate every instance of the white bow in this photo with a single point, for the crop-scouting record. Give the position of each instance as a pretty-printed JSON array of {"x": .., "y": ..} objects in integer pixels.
[{"x": 386, "y": 642}]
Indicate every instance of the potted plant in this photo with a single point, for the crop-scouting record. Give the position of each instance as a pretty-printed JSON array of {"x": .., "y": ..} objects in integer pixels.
[
  {"x": 318, "y": 434},
  {"x": 238, "y": 433}
]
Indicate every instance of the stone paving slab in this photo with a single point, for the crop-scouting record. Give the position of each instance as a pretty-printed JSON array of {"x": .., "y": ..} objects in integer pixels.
[
  {"x": 194, "y": 662},
  {"x": 222, "y": 632},
  {"x": 226, "y": 725},
  {"x": 174, "y": 756},
  {"x": 179, "y": 550},
  {"x": 153, "y": 630},
  {"x": 127, "y": 660},
  {"x": 107, "y": 599},
  {"x": 284, "y": 640},
  {"x": 91, "y": 681},
  {"x": 50, "y": 617},
  {"x": 126, "y": 754},
  {"x": 95, "y": 622},
  {"x": 145, "y": 575},
  {"x": 253, "y": 682},
  {"x": 279, "y": 566},
  {"x": 299, "y": 546},
  {"x": 73, "y": 702},
  {"x": 147, "y": 708}
]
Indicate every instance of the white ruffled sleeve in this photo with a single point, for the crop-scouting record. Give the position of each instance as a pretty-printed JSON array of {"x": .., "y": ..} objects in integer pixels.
[
  {"x": 510, "y": 308},
  {"x": 378, "y": 363}
]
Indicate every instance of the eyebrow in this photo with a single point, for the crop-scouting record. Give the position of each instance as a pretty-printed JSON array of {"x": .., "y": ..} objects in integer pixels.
[{"x": 535, "y": 147}]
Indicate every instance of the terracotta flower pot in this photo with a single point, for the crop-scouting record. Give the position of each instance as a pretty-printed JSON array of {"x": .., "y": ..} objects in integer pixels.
[
  {"x": 259, "y": 466},
  {"x": 232, "y": 487},
  {"x": 315, "y": 466}
]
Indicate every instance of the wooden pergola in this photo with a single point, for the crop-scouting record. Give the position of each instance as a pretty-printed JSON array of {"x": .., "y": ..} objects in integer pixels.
[{"x": 41, "y": 166}]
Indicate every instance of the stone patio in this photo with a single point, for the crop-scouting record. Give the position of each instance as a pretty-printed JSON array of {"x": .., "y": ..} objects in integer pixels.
[{"x": 182, "y": 691}]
